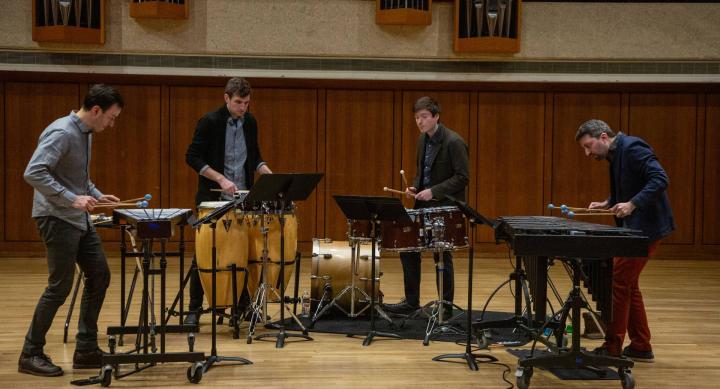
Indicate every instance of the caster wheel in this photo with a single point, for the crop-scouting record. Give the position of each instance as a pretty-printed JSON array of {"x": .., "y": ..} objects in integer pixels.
[
  {"x": 106, "y": 376},
  {"x": 523, "y": 376},
  {"x": 626, "y": 379},
  {"x": 195, "y": 372},
  {"x": 112, "y": 342},
  {"x": 191, "y": 341}
]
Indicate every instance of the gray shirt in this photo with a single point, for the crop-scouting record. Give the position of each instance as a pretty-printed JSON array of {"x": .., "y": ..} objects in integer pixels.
[
  {"x": 235, "y": 153},
  {"x": 59, "y": 170}
]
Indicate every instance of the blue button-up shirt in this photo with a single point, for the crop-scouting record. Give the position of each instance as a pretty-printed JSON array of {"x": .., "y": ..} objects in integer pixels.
[
  {"x": 59, "y": 170},
  {"x": 235, "y": 152},
  {"x": 432, "y": 146}
]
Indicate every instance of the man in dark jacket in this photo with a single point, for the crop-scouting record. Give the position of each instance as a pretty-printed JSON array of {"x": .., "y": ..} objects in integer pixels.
[
  {"x": 225, "y": 154},
  {"x": 638, "y": 197},
  {"x": 442, "y": 169}
]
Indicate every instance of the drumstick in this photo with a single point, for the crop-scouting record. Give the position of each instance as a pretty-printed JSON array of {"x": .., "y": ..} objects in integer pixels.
[
  {"x": 402, "y": 174},
  {"x": 386, "y": 189},
  {"x": 146, "y": 197}
]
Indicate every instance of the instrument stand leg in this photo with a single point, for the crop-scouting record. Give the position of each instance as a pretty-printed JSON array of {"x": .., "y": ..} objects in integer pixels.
[
  {"x": 375, "y": 307},
  {"x": 437, "y": 324},
  {"x": 468, "y": 356},
  {"x": 213, "y": 358},
  {"x": 518, "y": 321},
  {"x": 281, "y": 335}
]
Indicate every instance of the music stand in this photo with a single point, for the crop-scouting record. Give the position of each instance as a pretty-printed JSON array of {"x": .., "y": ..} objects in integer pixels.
[
  {"x": 373, "y": 209},
  {"x": 212, "y": 219},
  {"x": 283, "y": 188},
  {"x": 474, "y": 219}
]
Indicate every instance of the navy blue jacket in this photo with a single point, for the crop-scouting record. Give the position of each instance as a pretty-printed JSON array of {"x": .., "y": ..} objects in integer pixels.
[{"x": 636, "y": 175}]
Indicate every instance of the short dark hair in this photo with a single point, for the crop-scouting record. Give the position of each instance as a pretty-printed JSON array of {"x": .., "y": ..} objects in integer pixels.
[
  {"x": 238, "y": 86},
  {"x": 594, "y": 128},
  {"x": 428, "y": 103},
  {"x": 103, "y": 96}
]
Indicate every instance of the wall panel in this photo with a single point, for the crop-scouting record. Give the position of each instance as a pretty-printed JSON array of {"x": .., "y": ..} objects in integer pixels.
[
  {"x": 287, "y": 134},
  {"x": 510, "y": 156},
  {"x": 668, "y": 123},
  {"x": 577, "y": 179},
  {"x": 187, "y": 106},
  {"x": 711, "y": 184},
  {"x": 358, "y": 149},
  {"x": 29, "y": 109}
]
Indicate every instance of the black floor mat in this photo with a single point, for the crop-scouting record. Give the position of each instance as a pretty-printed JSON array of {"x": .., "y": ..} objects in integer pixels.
[{"x": 411, "y": 329}]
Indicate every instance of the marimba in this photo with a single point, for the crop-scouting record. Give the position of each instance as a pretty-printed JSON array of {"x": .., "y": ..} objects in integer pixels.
[{"x": 535, "y": 240}]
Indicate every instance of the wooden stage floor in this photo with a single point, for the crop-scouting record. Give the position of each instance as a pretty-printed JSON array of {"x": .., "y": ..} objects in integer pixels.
[{"x": 682, "y": 299}]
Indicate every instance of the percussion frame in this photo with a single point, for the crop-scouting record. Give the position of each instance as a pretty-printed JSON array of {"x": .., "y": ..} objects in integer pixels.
[{"x": 261, "y": 294}]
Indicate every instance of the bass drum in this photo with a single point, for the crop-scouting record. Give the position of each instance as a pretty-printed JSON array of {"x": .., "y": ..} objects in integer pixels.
[
  {"x": 231, "y": 243},
  {"x": 331, "y": 269}
]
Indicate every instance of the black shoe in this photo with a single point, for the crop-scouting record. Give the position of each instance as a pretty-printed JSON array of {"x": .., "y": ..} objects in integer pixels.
[
  {"x": 603, "y": 351},
  {"x": 638, "y": 356},
  {"x": 401, "y": 308},
  {"x": 40, "y": 365},
  {"x": 191, "y": 319},
  {"x": 91, "y": 359}
]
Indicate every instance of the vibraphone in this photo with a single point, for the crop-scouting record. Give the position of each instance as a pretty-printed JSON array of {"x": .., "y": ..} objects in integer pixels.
[
  {"x": 150, "y": 225},
  {"x": 534, "y": 240}
]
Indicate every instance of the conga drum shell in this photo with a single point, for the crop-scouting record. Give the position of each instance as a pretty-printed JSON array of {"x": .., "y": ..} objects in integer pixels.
[
  {"x": 231, "y": 244},
  {"x": 255, "y": 245},
  {"x": 331, "y": 264}
]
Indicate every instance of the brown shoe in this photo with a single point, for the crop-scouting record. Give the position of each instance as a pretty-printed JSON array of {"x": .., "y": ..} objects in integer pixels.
[{"x": 39, "y": 365}]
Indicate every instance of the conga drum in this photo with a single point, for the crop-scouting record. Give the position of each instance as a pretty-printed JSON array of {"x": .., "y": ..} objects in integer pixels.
[
  {"x": 255, "y": 245},
  {"x": 331, "y": 265},
  {"x": 231, "y": 243}
]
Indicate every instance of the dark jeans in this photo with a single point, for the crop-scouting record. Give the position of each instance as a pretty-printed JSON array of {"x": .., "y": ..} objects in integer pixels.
[
  {"x": 65, "y": 246},
  {"x": 411, "y": 276}
]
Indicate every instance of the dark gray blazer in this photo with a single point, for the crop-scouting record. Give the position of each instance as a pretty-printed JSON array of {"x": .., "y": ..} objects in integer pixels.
[{"x": 449, "y": 173}]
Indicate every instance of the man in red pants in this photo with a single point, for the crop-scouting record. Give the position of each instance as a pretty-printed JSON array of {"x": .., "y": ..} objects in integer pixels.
[{"x": 639, "y": 200}]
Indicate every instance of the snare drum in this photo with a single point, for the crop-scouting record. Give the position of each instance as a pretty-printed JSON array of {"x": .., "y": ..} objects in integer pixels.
[
  {"x": 231, "y": 242},
  {"x": 401, "y": 237},
  {"x": 359, "y": 230},
  {"x": 331, "y": 264},
  {"x": 445, "y": 227},
  {"x": 272, "y": 223}
]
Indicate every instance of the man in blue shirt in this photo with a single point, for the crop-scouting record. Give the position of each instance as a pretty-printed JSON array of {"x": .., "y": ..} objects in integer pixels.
[
  {"x": 638, "y": 197},
  {"x": 59, "y": 170},
  {"x": 225, "y": 154}
]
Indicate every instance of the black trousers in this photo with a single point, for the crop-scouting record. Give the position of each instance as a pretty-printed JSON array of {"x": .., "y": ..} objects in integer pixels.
[
  {"x": 65, "y": 246},
  {"x": 411, "y": 276}
]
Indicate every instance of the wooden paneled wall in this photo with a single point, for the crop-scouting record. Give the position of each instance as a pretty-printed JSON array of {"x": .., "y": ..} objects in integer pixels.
[{"x": 521, "y": 139}]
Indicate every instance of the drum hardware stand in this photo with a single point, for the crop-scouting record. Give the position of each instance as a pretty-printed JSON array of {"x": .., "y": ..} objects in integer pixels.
[
  {"x": 193, "y": 371},
  {"x": 282, "y": 188},
  {"x": 352, "y": 288},
  {"x": 468, "y": 356},
  {"x": 373, "y": 209}
]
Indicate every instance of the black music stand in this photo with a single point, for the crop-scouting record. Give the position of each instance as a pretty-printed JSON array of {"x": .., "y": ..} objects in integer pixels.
[
  {"x": 212, "y": 219},
  {"x": 374, "y": 209},
  {"x": 283, "y": 188},
  {"x": 474, "y": 219}
]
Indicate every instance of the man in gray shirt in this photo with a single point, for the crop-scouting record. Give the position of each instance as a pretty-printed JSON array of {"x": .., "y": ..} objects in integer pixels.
[{"x": 59, "y": 170}]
